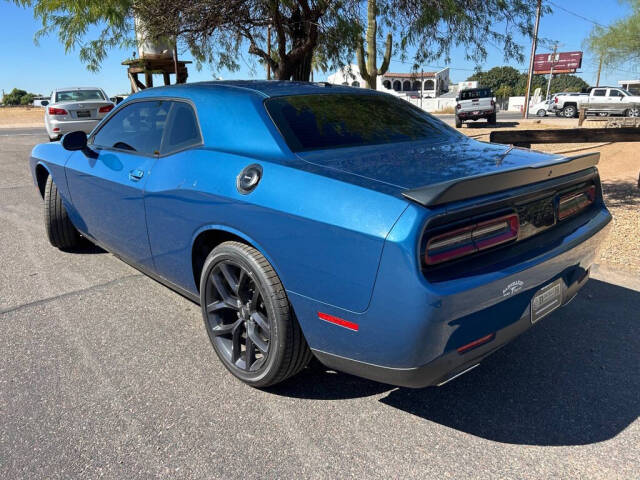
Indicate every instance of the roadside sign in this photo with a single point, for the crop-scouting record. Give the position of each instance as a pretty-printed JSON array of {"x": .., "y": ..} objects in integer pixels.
[{"x": 562, "y": 62}]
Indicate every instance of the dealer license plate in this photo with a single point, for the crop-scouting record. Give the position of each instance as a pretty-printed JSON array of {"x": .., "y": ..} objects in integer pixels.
[
  {"x": 83, "y": 113},
  {"x": 546, "y": 300}
]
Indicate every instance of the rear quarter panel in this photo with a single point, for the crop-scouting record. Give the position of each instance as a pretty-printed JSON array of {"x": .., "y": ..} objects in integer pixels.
[{"x": 324, "y": 237}]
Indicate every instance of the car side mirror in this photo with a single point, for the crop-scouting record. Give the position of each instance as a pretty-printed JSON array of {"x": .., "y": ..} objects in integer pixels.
[
  {"x": 74, "y": 141},
  {"x": 44, "y": 103}
]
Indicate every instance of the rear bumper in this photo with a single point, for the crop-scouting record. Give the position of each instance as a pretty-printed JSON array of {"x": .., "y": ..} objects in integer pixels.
[
  {"x": 452, "y": 364},
  {"x": 470, "y": 115},
  {"x": 60, "y": 127}
]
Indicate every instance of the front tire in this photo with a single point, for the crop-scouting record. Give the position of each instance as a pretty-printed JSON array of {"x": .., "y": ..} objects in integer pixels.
[
  {"x": 458, "y": 122},
  {"x": 633, "y": 112},
  {"x": 61, "y": 232},
  {"x": 248, "y": 317}
]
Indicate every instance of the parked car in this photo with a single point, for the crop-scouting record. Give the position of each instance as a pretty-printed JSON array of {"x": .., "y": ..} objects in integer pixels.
[
  {"x": 542, "y": 108},
  {"x": 73, "y": 109},
  {"x": 474, "y": 104},
  {"x": 610, "y": 101},
  {"x": 321, "y": 220}
]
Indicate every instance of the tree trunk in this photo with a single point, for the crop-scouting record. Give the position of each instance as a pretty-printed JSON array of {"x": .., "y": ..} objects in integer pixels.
[{"x": 302, "y": 71}]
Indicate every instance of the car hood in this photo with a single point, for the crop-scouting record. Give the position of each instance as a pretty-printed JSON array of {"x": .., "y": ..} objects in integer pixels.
[{"x": 417, "y": 164}]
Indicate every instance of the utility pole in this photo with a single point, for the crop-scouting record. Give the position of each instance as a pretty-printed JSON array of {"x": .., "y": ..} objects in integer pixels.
[
  {"x": 533, "y": 54},
  {"x": 421, "y": 86},
  {"x": 599, "y": 68},
  {"x": 269, "y": 52},
  {"x": 553, "y": 62}
]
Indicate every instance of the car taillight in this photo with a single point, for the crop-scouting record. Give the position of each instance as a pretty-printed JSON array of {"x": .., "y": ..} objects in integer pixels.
[
  {"x": 492, "y": 103},
  {"x": 575, "y": 202},
  {"x": 471, "y": 239},
  {"x": 105, "y": 109},
  {"x": 555, "y": 99},
  {"x": 57, "y": 111},
  {"x": 458, "y": 106}
]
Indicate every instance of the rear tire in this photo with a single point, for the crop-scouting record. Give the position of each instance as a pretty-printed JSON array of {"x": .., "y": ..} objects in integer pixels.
[
  {"x": 248, "y": 318},
  {"x": 491, "y": 119},
  {"x": 541, "y": 113},
  {"x": 458, "y": 122},
  {"x": 61, "y": 232},
  {"x": 569, "y": 111}
]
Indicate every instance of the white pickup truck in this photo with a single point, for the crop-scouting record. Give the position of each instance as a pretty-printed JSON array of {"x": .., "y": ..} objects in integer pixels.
[
  {"x": 606, "y": 101},
  {"x": 475, "y": 103}
]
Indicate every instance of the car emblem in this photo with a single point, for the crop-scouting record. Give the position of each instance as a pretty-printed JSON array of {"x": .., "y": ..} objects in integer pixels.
[{"x": 512, "y": 288}]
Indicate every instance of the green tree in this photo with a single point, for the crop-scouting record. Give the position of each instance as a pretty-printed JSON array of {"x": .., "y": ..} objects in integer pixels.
[
  {"x": 497, "y": 78},
  {"x": 567, "y": 83},
  {"x": 71, "y": 21},
  {"x": 18, "y": 97},
  {"x": 219, "y": 31},
  {"x": 618, "y": 43}
]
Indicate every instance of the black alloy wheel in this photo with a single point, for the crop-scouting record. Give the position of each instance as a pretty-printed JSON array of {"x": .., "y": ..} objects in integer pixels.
[
  {"x": 248, "y": 317},
  {"x": 237, "y": 317}
]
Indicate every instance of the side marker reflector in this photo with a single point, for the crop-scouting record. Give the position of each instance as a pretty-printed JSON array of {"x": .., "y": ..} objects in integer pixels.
[
  {"x": 338, "y": 321},
  {"x": 476, "y": 343}
]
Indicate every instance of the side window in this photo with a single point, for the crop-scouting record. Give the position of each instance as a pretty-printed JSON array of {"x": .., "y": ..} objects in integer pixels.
[
  {"x": 615, "y": 93},
  {"x": 599, "y": 92},
  {"x": 137, "y": 127},
  {"x": 182, "y": 129}
]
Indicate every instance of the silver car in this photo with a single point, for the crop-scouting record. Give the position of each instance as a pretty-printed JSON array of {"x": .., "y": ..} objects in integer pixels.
[{"x": 76, "y": 108}]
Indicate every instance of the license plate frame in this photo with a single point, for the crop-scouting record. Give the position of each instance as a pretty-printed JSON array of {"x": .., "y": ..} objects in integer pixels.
[
  {"x": 83, "y": 114},
  {"x": 546, "y": 300}
]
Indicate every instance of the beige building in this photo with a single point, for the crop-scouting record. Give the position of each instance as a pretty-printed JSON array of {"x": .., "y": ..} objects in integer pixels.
[{"x": 430, "y": 84}]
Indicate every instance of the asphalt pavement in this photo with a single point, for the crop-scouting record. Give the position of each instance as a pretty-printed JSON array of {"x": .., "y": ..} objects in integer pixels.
[{"x": 105, "y": 373}]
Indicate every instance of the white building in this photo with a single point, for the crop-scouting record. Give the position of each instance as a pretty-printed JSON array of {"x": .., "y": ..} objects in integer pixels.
[
  {"x": 432, "y": 84},
  {"x": 632, "y": 86}
]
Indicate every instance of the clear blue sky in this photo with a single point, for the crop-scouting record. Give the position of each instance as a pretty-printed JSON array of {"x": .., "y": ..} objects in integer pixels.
[{"x": 40, "y": 68}]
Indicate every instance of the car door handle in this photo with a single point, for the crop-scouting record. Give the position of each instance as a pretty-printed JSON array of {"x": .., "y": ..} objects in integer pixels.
[{"x": 135, "y": 175}]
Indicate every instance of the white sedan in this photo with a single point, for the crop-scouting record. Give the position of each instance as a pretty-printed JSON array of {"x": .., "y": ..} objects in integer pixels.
[
  {"x": 541, "y": 109},
  {"x": 73, "y": 109}
]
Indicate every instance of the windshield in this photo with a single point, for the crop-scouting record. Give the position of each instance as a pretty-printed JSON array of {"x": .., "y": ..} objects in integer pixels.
[
  {"x": 313, "y": 122},
  {"x": 626, "y": 92},
  {"x": 475, "y": 93},
  {"x": 78, "y": 95}
]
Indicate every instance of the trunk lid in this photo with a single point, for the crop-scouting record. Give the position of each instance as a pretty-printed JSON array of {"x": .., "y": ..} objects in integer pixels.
[
  {"x": 417, "y": 164},
  {"x": 84, "y": 110}
]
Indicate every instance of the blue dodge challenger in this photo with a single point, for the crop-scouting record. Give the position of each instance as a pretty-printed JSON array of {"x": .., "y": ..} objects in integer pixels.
[{"x": 320, "y": 220}]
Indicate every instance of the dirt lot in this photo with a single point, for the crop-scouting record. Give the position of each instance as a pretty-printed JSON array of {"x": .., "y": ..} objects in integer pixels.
[
  {"x": 619, "y": 170},
  {"x": 21, "y": 116}
]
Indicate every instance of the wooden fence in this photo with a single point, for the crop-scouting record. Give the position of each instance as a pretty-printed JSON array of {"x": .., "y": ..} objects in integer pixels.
[{"x": 525, "y": 138}]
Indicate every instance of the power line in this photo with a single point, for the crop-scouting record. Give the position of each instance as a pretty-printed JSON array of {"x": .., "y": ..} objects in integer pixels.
[{"x": 577, "y": 15}]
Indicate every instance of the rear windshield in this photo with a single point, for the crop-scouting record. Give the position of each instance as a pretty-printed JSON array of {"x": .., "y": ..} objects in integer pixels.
[
  {"x": 314, "y": 122},
  {"x": 78, "y": 95},
  {"x": 475, "y": 93}
]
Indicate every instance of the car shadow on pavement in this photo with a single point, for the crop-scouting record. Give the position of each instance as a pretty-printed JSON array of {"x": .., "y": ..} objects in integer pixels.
[{"x": 573, "y": 379}]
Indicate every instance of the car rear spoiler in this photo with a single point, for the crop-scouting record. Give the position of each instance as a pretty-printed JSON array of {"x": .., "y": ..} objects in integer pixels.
[{"x": 476, "y": 186}]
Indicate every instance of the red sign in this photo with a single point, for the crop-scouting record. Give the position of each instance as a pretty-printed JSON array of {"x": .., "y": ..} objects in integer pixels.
[{"x": 562, "y": 62}]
